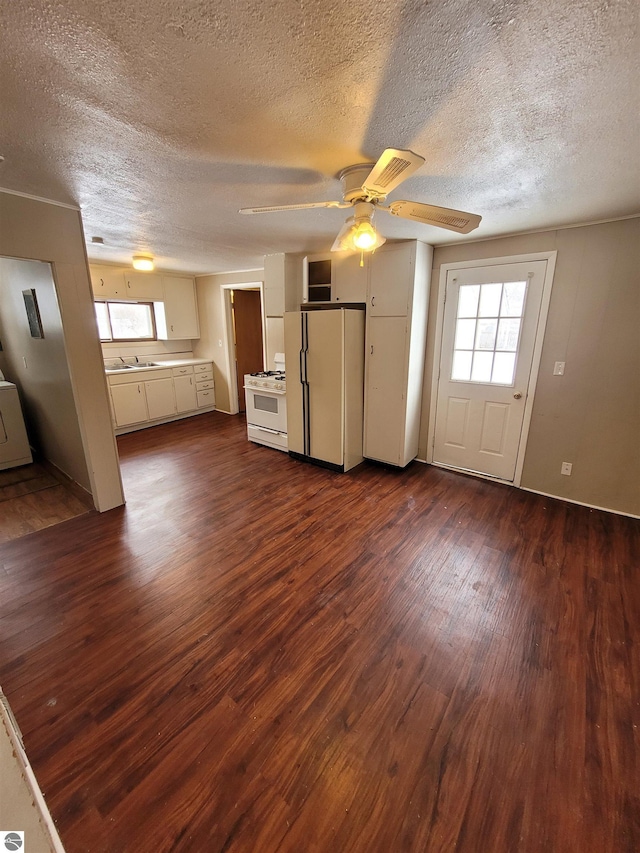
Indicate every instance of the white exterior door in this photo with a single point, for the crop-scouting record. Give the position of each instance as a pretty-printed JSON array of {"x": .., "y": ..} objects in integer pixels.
[{"x": 491, "y": 317}]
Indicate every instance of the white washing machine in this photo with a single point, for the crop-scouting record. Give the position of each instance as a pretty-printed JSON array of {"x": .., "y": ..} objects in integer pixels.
[{"x": 14, "y": 444}]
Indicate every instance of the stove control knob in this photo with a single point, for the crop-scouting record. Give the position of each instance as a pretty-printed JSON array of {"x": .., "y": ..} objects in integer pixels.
[{"x": 279, "y": 385}]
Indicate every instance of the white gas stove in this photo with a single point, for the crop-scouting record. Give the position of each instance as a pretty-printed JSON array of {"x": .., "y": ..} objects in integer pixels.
[
  {"x": 266, "y": 401},
  {"x": 273, "y": 379}
]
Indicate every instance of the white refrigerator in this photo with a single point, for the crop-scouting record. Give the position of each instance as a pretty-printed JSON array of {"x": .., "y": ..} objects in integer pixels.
[{"x": 324, "y": 351}]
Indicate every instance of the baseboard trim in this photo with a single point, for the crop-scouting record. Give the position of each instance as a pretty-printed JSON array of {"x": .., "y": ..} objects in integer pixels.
[
  {"x": 78, "y": 491},
  {"x": 525, "y": 489},
  {"x": 580, "y": 503}
]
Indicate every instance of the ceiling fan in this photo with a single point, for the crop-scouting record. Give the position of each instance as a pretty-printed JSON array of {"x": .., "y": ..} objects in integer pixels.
[{"x": 365, "y": 186}]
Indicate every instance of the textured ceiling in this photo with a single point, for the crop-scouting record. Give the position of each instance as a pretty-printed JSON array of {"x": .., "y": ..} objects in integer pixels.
[{"x": 160, "y": 119}]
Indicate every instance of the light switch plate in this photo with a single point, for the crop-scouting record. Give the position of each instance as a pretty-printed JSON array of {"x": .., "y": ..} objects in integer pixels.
[
  {"x": 566, "y": 468},
  {"x": 558, "y": 368}
]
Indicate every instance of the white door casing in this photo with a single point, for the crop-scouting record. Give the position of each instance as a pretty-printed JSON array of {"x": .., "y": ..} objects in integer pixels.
[{"x": 491, "y": 321}]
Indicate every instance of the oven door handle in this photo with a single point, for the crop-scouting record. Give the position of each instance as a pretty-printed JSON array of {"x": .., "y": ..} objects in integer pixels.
[{"x": 264, "y": 391}]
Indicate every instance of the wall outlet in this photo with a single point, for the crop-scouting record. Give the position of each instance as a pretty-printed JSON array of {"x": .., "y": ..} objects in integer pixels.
[
  {"x": 558, "y": 368},
  {"x": 566, "y": 468}
]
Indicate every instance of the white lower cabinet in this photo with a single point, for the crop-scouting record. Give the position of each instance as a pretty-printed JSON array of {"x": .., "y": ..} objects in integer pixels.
[
  {"x": 186, "y": 399},
  {"x": 160, "y": 395},
  {"x": 129, "y": 403},
  {"x": 206, "y": 397},
  {"x": 386, "y": 397},
  {"x": 205, "y": 393},
  {"x": 161, "y": 399}
]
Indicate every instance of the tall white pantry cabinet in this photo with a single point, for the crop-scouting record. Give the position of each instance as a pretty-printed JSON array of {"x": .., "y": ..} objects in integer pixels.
[{"x": 397, "y": 305}]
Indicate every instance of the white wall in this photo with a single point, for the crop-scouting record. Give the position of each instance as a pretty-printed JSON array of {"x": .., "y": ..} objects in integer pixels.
[
  {"x": 39, "y": 367},
  {"x": 38, "y": 230},
  {"x": 591, "y": 415}
]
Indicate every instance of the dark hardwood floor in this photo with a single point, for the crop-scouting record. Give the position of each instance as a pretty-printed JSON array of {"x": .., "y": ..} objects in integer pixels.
[
  {"x": 36, "y": 496},
  {"x": 257, "y": 655}
]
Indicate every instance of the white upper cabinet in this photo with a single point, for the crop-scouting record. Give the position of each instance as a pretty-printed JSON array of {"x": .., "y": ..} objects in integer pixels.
[
  {"x": 145, "y": 286},
  {"x": 177, "y": 314},
  {"x": 391, "y": 278},
  {"x": 274, "y": 285},
  {"x": 107, "y": 282},
  {"x": 349, "y": 278}
]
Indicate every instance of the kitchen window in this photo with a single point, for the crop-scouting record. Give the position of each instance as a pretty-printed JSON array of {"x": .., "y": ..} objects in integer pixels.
[{"x": 126, "y": 321}]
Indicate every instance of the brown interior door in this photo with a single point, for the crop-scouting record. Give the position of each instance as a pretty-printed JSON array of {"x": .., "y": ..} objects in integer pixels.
[{"x": 247, "y": 319}]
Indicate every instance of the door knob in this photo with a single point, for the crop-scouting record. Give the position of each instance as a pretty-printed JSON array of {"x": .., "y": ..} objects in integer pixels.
[{"x": 517, "y": 395}]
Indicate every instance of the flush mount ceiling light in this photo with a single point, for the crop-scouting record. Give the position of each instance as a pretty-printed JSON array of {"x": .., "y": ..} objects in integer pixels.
[
  {"x": 365, "y": 186},
  {"x": 144, "y": 263}
]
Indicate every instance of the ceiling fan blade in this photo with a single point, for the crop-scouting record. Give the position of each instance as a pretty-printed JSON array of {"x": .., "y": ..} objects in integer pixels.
[
  {"x": 429, "y": 214},
  {"x": 293, "y": 206},
  {"x": 393, "y": 167}
]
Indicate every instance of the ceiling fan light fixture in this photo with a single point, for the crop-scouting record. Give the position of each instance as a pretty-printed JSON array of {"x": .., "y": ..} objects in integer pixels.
[
  {"x": 364, "y": 236},
  {"x": 143, "y": 263}
]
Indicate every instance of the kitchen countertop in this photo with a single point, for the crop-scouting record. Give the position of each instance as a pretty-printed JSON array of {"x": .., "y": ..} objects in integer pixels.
[
  {"x": 159, "y": 365},
  {"x": 180, "y": 362}
]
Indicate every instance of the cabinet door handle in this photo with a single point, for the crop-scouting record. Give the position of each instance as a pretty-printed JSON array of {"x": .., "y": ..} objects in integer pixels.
[
  {"x": 139, "y": 391},
  {"x": 371, "y": 349},
  {"x": 373, "y": 301}
]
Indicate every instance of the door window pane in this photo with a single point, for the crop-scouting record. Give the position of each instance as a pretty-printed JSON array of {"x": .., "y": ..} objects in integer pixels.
[
  {"x": 508, "y": 332},
  {"x": 504, "y": 365},
  {"x": 461, "y": 369},
  {"x": 486, "y": 337},
  {"x": 482, "y": 364},
  {"x": 468, "y": 300},
  {"x": 465, "y": 334},
  {"x": 513, "y": 299},
  {"x": 490, "y": 300}
]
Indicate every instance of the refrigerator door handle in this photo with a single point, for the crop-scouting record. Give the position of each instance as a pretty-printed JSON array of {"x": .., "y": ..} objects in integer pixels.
[{"x": 306, "y": 417}]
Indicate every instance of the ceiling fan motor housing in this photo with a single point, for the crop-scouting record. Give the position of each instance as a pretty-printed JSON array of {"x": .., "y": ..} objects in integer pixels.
[{"x": 352, "y": 179}]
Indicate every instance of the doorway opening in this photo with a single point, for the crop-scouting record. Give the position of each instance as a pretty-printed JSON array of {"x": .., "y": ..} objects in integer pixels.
[
  {"x": 246, "y": 305},
  {"x": 243, "y": 328}
]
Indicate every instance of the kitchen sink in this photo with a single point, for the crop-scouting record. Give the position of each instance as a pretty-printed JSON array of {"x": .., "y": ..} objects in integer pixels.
[{"x": 112, "y": 367}]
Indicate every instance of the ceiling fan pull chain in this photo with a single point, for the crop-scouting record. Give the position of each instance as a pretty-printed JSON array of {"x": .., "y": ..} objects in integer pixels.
[{"x": 361, "y": 257}]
